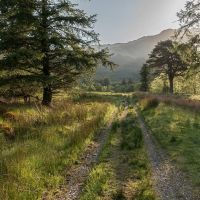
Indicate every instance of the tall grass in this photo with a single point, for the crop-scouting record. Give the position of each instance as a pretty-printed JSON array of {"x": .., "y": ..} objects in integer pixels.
[
  {"x": 172, "y": 100},
  {"x": 38, "y": 143}
]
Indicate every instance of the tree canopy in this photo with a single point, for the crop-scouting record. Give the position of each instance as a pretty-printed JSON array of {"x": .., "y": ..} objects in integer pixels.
[
  {"x": 48, "y": 42},
  {"x": 189, "y": 17},
  {"x": 171, "y": 58},
  {"x": 144, "y": 74}
]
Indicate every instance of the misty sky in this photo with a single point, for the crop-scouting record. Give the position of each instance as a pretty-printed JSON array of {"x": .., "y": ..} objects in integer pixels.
[{"x": 126, "y": 20}]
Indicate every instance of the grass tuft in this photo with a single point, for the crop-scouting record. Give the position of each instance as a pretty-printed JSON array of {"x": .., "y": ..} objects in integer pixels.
[
  {"x": 8, "y": 131},
  {"x": 131, "y": 134},
  {"x": 119, "y": 195}
]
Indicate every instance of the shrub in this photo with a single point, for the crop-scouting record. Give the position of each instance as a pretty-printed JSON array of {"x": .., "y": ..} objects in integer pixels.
[
  {"x": 8, "y": 131},
  {"x": 132, "y": 135},
  {"x": 169, "y": 100},
  {"x": 132, "y": 140},
  {"x": 10, "y": 116},
  {"x": 2, "y": 110},
  {"x": 115, "y": 126},
  {"x": 119, "y": 195},
  {"x": 148, "y": 103}
]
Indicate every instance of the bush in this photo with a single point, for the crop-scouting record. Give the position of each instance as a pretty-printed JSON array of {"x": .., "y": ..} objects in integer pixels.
[
  {"x": 148, "y": 103},
  {"x": 8, "y": 131},
  {"x": 132, "y": 135},
  {"x": 115, "y": 126},
  {"x": 119, "y": 195},
  {"x": 10, "y": 116},
  {"x": 2, "y": 110},
  {"x": 132, "y": 140}
]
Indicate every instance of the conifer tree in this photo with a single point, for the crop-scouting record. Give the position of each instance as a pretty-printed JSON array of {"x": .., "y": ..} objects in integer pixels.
[
  {"x": 170, "y": 58},
  {"x": 18, "y": 58},
  {"x": 144, "y": 78},
  {"x": 49, "y": 42}
]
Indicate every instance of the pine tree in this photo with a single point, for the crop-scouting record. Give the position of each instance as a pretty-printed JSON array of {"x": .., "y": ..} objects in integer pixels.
[
  {"x": 106, "y": 82},
  {"x": 130, "y": 81},
  {"x": 124, "y": 82},
  {"x": 64, "y": 36},
  {"x": 16, "y": 42},
  {"x": 171, "y": 58},
  {"x": 144, "y": 78},
  {"x": 48, "y": 42}
]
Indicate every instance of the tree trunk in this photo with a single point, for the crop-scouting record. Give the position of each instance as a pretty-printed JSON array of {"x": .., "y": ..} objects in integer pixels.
[
  {"x": 47, "y": 90},
  {"x": 27, "y": 99},
  {"x": 171, "y": 85},
  {"x": 47, "y": 96}
]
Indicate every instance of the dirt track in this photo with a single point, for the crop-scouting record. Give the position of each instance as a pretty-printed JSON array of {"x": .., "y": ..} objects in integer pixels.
[
  {"x": 169, "y": 182},
  {"x": 78, "y": 173}
]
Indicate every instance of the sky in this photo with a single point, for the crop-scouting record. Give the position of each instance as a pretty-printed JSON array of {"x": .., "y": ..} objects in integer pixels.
[{"x": 121, "y": 21}]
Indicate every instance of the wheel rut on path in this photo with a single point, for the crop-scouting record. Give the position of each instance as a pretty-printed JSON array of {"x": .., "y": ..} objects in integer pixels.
[
  {"x": 78, "y": 173},
  {"x": 168, "y": 180}
]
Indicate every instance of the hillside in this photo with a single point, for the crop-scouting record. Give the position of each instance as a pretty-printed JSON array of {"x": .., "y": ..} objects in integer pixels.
[{"x": 131, "y": 56}]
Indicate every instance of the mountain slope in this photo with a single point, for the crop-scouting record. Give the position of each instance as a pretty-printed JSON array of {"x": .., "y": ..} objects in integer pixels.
[{"x": 131, "y": 56}]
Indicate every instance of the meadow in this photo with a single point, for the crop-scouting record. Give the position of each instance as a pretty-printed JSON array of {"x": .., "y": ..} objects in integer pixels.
[{"x": 38, "y": 143}]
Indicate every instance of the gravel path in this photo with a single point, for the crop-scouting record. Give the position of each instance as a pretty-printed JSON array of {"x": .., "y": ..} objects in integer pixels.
[
  {"x": 78, "y": 173},
  {"x": 169, "y": 182}
]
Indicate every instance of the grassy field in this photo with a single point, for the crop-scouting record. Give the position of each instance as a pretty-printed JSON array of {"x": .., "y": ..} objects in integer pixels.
[
  {"x": 123, "y": 170},
  {"x": 38, "y": 143},
  {"x": 177, "y": 129}
]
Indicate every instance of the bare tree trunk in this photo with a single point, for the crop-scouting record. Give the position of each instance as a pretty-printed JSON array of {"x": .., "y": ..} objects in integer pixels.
[
  {"x": 171, "y": 85},
  {"x": 47, "y": 96},
  {"x": 47, "y": 90}
]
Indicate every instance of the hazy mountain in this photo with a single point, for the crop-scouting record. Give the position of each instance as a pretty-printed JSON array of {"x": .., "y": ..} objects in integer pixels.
[{"x": 131, "y": 56}]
